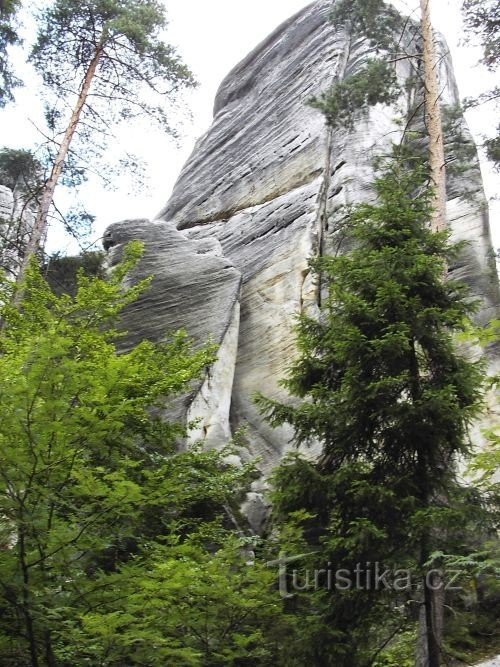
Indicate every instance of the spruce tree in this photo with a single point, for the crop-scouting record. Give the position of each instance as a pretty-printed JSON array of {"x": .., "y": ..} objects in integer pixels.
[
  {"x": 393, "y": 39},
  {"x": 381, "y": 385}
]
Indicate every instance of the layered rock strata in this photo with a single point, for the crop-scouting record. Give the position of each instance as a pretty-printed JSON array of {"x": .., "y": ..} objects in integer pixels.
[{"x": 263, "y": 185}]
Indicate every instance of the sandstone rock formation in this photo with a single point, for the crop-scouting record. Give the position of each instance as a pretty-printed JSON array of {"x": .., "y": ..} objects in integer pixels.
[
  {"x": 262, "y": 186},
  {"x": 16, "y": 221},
  {"x": 194, "y": 288}
]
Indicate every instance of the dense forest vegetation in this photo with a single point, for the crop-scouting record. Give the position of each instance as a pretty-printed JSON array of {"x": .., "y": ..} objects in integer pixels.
[{"x": 119, "y": 544}]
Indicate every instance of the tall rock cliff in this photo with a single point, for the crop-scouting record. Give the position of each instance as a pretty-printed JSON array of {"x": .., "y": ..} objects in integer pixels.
[{"x": 257, "y": 198}]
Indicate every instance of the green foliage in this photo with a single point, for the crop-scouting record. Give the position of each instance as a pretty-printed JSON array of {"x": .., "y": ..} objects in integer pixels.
[
  {"x": 461, "y": 153},
  {"x": 376, "y": 20},
  {"x": 8, "y": 37},
  {"x": 482, "y": 18},
  {"x": 61, "y": 272},
  {"x": 352, "y": 95},
  {"x": 380, "y": 384},
  {"x": 486, "y": 462},
  {"x": 400, "y": 652},
  {"x": 116, "y": 547},
  {"x": 493, "y": 148},
  {"x": 19, "y": 170},
  {"x": 376, "y": 83},
  {"x": 382, "y": 358},
  {"x": 184, "y": 606},
  {"x": 136, "y": 72}
]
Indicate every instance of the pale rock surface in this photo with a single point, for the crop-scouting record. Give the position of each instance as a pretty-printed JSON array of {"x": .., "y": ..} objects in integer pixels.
[
  {"x": 189, "y": 278},
  {"x": 265, "y": 182},
  {"x": 16, "y": 222},
  {"x": 494, "y": 662},
  {"x": 265, "y": 179},
  {"x": 6, "y": 202}
]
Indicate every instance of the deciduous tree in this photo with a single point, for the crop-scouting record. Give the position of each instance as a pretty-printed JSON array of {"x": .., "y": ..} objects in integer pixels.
[{"x": 117, "y": 548}]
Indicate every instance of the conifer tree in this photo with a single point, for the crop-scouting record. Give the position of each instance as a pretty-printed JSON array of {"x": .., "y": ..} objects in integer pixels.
[
  {"x": 482, "y": 19},
  {"x": 383, "y": 388},
  {"x": 8, "y": 37},
  {"x": 106, "y": 61},
  {"x": 384, "y": 28},
  {"x": 20, "y": 171}
]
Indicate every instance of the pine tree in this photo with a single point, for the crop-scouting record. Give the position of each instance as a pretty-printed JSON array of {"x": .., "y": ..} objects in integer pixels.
[
  {"x": 482, "y": 19},
  {"x": 8, "y": 37},
  {"x": 105, "y": 60},
  {"x": 20, "y": 171},
  {"x": 376, "y": 83}
]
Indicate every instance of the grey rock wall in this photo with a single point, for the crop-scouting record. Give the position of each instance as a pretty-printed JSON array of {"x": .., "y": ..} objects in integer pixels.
[
  {"x": 264, "y": 182},
  {"x": 194, "y": 288},
  {"x": 494, "y": 662},
  {"x": 16, "y": 221}
]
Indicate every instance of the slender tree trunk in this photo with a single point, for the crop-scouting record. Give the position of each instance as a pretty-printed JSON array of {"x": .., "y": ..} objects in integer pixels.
[
  {"x": 26, "y": 606},
  {"x": 428, "y": 650},
  {"x": 434, "y": 121},
  {"x": 427, "y": 653},
  {"x": 430, "y": 631},
  {"x": 40, "y": 226}
]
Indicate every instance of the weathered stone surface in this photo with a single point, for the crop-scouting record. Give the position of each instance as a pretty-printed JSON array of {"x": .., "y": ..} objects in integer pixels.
[
  {"x": 16, "y": 221},
  {"x": 194, "y": 288},
  {"x": 6, "y": 202},
  {"x": 266, "y": 178},
  {"x": 265, "y": 181}
]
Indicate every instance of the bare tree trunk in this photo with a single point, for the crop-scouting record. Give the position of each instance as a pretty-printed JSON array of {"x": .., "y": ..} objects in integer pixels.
[
  {"x": 430, "y": 630},
  {"x": 40, "y": 226},
  {"x": 422, "y": 649},
  {"x": 430, "y": 622},
  {"x": 434, "y": 121}
]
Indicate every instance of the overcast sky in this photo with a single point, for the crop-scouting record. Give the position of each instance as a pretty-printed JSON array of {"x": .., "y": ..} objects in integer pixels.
[{"x": 212, "y": 36}]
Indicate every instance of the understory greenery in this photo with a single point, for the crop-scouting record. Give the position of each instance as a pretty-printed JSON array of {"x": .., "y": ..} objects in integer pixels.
[
  {"x": 117, "y": 547},
  {"x": 120, "y": 546}
]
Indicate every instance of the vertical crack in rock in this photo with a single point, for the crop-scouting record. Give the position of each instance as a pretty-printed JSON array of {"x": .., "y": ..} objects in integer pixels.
[{"x": 323, "y": 197}]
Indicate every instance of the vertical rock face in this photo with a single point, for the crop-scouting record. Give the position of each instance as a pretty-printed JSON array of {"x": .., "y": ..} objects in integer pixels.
[
  {"x": 16, "y": 221},
  {"x": 265, "y": 182},
  {"x": 196, "y": 289}
]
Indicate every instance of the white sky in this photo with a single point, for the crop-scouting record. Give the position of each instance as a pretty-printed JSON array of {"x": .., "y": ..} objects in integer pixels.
[{"x": 212, "y": 37}]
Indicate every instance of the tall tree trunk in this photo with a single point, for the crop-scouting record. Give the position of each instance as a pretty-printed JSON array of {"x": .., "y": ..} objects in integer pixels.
[
  {"x": 40, "y": 226},
  {"x": 430, "y": 632},
  {"x": 434, "y": 121},
  {"x": 430, "y": 628}
]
